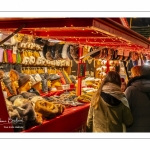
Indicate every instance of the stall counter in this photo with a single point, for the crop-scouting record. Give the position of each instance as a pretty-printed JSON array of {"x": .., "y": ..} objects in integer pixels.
[{"x": 73, "y": 119}]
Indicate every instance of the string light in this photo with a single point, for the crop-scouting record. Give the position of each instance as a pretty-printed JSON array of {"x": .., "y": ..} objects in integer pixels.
[{"x": 106, "y": 38}]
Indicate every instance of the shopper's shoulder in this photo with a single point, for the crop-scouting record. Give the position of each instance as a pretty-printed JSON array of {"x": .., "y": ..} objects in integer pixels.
[{"x": 131, "y": 88}]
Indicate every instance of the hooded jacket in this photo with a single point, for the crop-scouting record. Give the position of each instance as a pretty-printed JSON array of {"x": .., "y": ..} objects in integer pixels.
[
  {"x": 137, "y": 94},
  {"x": 110, "y": 115}
]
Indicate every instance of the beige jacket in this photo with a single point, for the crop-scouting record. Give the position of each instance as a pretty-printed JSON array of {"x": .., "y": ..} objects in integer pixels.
[{"x": 108, "y": 118}]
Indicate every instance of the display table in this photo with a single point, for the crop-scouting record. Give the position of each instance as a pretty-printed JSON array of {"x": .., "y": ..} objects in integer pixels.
[
  {"x": 58, "y": 92},
  {"x": 72, "y": 120}
]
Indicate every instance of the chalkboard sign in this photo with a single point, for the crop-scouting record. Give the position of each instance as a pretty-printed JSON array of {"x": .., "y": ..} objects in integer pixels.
[{"x": 81, "y": 69}]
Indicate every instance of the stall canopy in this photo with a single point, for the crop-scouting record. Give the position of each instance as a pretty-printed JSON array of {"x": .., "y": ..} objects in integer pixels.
[{"x": 102, "y": 32}]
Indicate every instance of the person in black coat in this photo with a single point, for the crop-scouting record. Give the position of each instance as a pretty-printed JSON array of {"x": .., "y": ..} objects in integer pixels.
[{"x": 138, "y": 96}]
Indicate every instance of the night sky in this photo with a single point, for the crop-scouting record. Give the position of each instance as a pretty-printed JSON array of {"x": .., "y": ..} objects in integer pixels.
[{"x": 139, "y": 21}]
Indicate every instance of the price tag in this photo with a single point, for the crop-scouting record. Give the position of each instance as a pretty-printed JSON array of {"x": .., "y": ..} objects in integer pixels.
[{"x": 126, "y": 53}]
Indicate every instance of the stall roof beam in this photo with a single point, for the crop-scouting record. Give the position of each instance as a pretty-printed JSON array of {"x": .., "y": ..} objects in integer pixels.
[{"x": 59, "y": 28}]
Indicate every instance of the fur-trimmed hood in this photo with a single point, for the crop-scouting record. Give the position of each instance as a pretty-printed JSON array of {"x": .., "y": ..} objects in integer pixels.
[{"x": 141, "y": 82}]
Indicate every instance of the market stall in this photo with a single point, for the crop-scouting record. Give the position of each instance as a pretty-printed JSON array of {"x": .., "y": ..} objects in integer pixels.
[
  {"x": 49, "y": 50},
  {"x": 72, "y": 120}
]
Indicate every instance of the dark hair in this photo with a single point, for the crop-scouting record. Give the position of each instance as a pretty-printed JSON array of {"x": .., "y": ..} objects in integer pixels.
[{"x": 112, "y": 77}]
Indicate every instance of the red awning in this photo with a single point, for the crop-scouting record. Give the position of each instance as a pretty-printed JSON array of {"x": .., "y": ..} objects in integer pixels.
[{"x": 85, "y": 31}]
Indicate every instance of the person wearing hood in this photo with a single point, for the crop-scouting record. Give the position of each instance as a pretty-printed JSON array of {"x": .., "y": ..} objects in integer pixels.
[
  {"x": 138, "y": 96},
  {"x": 109, "y": 109}
]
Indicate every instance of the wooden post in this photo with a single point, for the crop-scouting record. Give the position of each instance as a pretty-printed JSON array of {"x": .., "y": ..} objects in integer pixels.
[
  {"x": 5, "y": 123},
  {"x": 79, "y": 86}
]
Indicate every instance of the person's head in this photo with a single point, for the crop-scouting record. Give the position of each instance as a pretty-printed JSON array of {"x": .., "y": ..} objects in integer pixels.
[
  {"x": 111, "y": 77},
  {"x": 145, "y": 70},
  {"x": 136, "y": 71},
  {"x": 140, "y": 70}
]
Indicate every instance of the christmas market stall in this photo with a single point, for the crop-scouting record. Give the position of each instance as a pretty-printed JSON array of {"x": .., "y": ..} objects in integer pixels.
[{"x": 51, "y": 67}]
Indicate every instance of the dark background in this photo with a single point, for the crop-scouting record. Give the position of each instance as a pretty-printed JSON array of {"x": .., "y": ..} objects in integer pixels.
[
  {"x": 140, "y": 25},
  {"x": 139, "y": 21}
]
